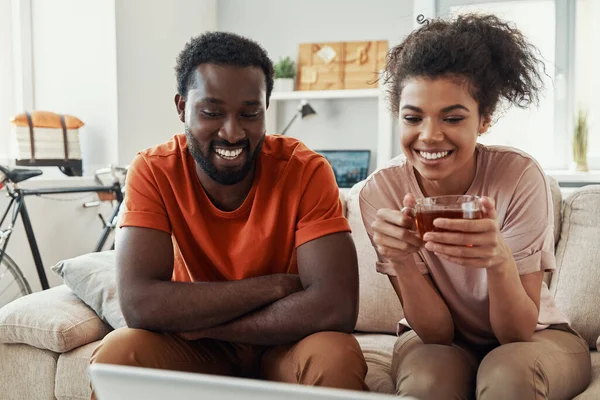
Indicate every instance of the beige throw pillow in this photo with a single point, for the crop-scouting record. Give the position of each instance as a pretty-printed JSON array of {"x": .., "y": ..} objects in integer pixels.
[
  {"x": 379, "y": 307},
  {"x": 92, "y": 277},
  {"x": 576, "y": 282},
  {"x": 54, "y": 319}
]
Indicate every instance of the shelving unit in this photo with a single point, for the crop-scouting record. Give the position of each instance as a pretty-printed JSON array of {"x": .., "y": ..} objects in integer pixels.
[
  {"x": 384, "y": 119},
  {"x": 326, "y": 94}
]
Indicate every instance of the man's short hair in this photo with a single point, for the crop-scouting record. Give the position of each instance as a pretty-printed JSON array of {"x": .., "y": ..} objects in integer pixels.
[{"x": 222, "y": 48}]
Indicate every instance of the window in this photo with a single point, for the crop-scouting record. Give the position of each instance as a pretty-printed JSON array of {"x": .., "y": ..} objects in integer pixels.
[
  {"x": 587, "y": 68},
  {"x": 564, "y": 32},
  {"x": 531, "y": 130}
]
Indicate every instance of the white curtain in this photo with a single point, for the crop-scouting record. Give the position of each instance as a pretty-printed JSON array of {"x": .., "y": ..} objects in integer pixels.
[{"x": 6, "y": 78}]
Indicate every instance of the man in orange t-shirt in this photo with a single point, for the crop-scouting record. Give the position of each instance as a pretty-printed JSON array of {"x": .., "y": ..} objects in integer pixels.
[{"x": 235, "y": 257}]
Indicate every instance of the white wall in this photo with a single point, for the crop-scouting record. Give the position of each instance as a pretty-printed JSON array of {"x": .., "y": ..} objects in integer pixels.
[
  {"x": 74, "y": 66},
  {"x": 111, "y": 64},
  {"x": 280, "y": 26},
  {"x": 150, "y": 34}
]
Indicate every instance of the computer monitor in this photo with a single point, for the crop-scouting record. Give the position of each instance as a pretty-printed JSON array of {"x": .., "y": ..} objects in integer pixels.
[{"x": 349, "y": 166}]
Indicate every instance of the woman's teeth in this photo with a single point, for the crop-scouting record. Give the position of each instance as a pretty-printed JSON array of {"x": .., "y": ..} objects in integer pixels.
[
  {"x": 434, "y": 156},
  {"x": 229, "y": 154}
]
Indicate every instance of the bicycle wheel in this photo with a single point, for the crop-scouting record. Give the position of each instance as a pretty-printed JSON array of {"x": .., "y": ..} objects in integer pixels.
[{"x": 12, "y": 282}]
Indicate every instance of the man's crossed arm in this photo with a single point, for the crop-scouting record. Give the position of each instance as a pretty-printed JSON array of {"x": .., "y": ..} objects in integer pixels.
[{"x": 269, "y": 310}]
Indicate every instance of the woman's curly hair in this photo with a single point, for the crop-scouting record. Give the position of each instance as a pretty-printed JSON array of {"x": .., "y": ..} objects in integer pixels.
[{"x": 493, "y": 57}]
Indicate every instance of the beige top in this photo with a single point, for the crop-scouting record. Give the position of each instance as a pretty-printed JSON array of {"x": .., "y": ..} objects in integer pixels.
[{"x": 525, "y": 216}]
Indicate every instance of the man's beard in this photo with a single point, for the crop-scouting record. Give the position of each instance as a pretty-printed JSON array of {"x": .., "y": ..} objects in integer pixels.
[{"x": 226, "y": 177}]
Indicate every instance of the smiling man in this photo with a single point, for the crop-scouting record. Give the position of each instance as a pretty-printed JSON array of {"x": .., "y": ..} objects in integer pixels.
[{"x": 235, "y": 258}]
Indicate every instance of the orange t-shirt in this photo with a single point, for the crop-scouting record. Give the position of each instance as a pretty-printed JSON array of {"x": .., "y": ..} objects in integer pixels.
[{"x": 294, "y": 199}]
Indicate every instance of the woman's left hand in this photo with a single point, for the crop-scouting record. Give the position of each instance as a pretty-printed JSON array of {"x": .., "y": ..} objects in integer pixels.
[{"x": 473, "y": 243}]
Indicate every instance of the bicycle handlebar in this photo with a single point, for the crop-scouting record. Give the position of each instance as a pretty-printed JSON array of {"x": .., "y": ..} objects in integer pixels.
[{"x": 112, "y": 170}]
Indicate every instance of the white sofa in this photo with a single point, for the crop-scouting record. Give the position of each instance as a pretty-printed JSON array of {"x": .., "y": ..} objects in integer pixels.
[{"x": 46, "y": 339}]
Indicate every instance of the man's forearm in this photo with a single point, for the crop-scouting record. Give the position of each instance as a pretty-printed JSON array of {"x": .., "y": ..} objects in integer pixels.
[
  {"x": 181, "y": 307},
  {"x": 513, "y": 315},
  {"x": 288, "y": 320}
]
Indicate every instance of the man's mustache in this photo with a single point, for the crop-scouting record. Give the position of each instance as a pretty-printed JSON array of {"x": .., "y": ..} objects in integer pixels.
[{"x": 224, "y": 143}]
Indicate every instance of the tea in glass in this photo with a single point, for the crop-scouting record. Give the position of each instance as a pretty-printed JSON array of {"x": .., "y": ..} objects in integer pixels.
[{"x": 454, "y": 207}]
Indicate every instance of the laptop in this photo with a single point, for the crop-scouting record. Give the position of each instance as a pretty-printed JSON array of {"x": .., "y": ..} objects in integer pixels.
[
  {"x": 116, "y": 382},
  {"x": 349, "y": 166}
]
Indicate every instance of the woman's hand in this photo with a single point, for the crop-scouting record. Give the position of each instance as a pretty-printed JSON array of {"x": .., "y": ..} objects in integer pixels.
[
  {"x": 394, "y": 232},
  {"x": 472, "y": 243}
]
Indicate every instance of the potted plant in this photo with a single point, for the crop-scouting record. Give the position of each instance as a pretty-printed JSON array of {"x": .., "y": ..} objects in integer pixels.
[
  {"x": 580, "y": 142},
  {"x": 285, "y": 72}
]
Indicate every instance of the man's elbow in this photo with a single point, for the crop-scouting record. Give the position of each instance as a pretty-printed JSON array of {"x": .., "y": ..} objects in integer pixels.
[
  {"x": 134, "y": 318},
  {"x": 136, "y": 313},
  {"x": 343, "y": 318}
]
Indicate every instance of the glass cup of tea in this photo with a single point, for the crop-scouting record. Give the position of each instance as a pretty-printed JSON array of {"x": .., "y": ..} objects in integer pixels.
[{"x": 455, "y": 207}]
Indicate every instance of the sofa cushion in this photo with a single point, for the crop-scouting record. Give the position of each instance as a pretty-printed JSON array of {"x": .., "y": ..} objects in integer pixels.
[
  {"x": 72, "y": 379},
  {"x": 576, "y": 282},
  {"x": 557, "y": 202},
  {"x": 378, "y": 350},
  {"x": 26, "y": 372},
  {"x": 54, "y": 319},
  {"x": 343, "y": 201},
  {"x": 379, "y": 307},
  {"x": 92, "y": 277}
]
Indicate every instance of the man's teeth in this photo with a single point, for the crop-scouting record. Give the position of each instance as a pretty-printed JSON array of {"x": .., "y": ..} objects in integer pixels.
[
  {"x": 231, "y": 154},
  {"x": 433, "y": 156}
]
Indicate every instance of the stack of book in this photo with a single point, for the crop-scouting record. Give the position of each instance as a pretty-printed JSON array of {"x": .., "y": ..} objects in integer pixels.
[{"x": 51, "y": 136}]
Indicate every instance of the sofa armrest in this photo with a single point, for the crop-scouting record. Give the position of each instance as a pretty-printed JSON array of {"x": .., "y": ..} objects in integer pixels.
[{"x": 27, "y": 372}]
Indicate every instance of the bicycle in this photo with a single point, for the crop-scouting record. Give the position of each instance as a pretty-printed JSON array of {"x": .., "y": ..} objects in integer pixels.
[{"x": 13, "y": 283}]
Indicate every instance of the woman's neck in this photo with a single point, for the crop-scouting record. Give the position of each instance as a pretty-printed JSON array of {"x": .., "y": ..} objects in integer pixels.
[{"x": 456, "y": 184}]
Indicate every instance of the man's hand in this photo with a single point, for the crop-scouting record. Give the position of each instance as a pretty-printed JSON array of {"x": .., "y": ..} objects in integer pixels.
[
  {"x": 329, "y": 302},
  {"x": 290, "y": 283},
  {"x": 151, "y": 301}
]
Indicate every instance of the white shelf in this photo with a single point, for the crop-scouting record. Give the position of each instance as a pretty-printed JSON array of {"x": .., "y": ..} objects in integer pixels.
[
  {"x": 326, "y": 94},
  {"x": 384, "y": 119}
]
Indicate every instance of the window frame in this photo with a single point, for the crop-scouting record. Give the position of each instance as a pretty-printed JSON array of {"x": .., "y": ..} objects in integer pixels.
[{"x": 21, "y": 74}]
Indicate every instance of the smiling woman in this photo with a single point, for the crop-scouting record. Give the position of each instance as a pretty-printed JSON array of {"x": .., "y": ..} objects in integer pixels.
[
  {"x": 440, "y": 124},
  {"x": 472, "y": 286}
]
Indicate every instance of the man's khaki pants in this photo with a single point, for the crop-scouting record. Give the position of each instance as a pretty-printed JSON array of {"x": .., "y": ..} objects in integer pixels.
[
  {"x": 330, "y": 359},
  {"x": 554, "y": 365}
]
